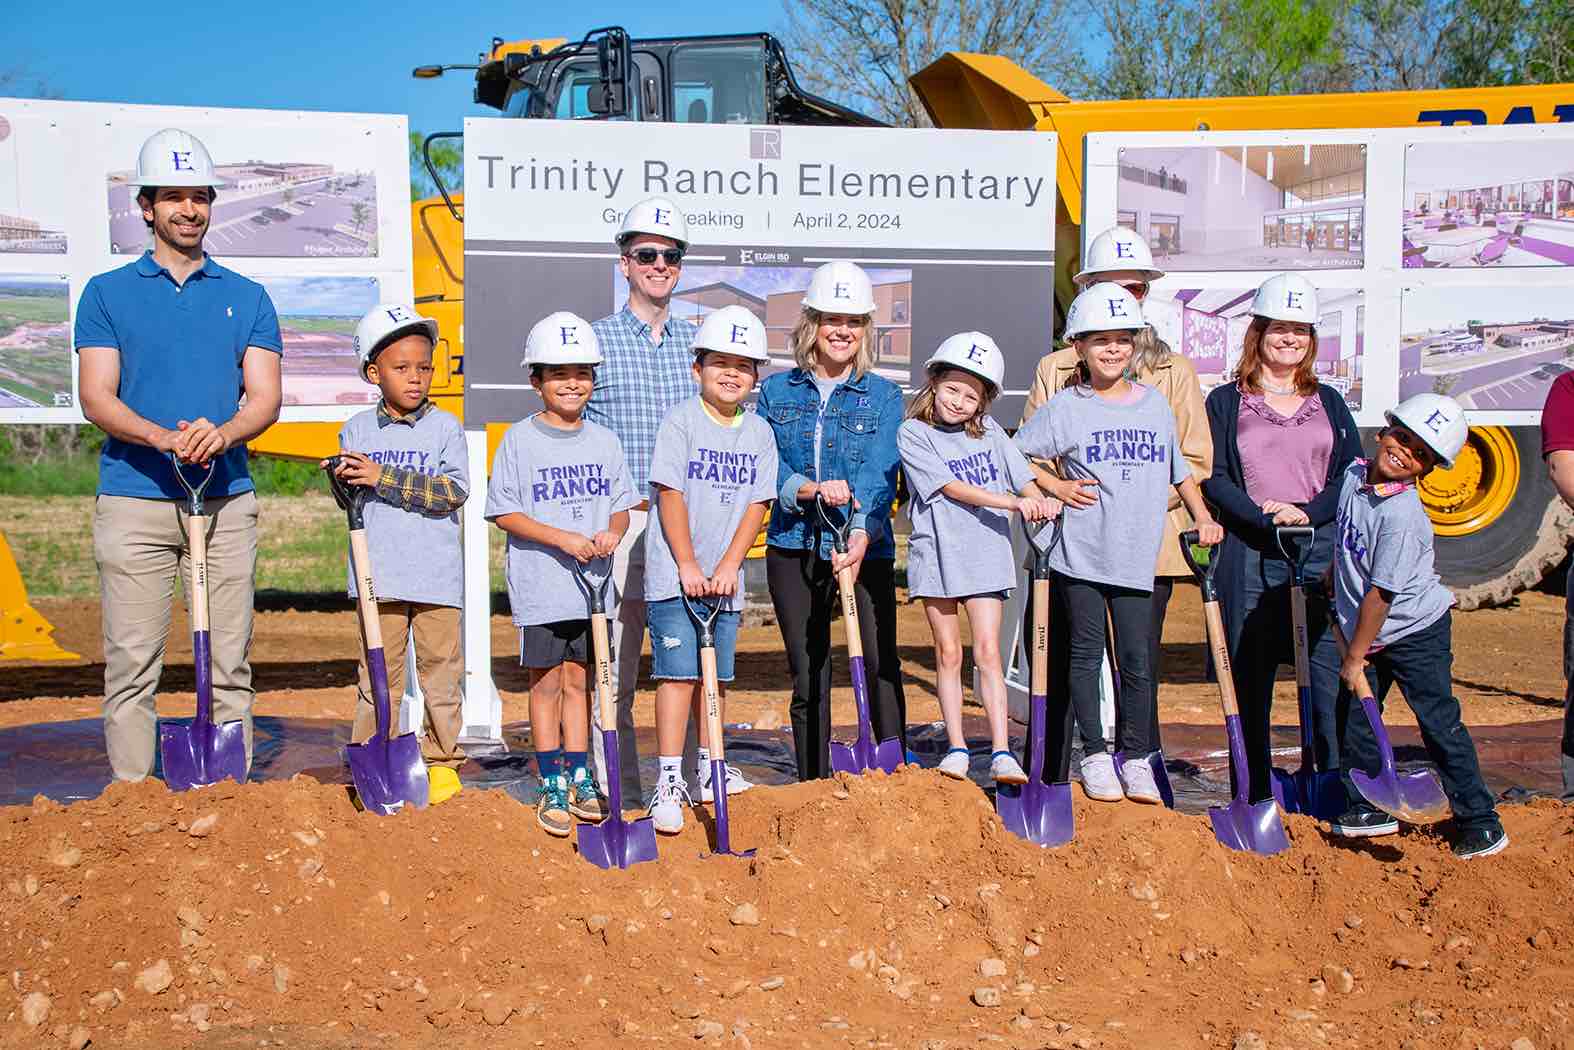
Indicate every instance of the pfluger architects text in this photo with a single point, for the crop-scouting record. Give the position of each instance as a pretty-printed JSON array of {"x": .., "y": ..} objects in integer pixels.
[{"x": 807, "y": 179}]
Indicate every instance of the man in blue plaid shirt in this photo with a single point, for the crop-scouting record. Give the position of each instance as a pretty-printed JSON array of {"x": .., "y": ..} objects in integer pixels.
[{"x": 646, "y": 369}]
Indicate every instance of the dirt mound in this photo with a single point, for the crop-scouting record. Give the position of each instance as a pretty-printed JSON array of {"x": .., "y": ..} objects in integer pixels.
[{"x": 886, "y": 911}]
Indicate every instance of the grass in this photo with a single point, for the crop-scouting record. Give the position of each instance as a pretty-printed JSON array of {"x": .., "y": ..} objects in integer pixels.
[{"x": 301, "y": 546}]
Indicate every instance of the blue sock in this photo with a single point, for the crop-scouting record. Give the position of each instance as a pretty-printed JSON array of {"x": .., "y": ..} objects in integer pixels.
[
  {"x": 574, "y": 761},
  {"x": 549, "y": 763}
]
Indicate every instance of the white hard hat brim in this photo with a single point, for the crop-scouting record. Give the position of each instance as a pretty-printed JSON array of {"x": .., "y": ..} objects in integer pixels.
[
  {"x": 179, "y": 180},
  {"x": 424, "y": 325},
  {"x": 1090, "y": 276}
]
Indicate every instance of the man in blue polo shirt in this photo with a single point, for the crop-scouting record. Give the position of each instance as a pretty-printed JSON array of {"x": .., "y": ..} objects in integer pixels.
[{"x": 178, "y": 356}]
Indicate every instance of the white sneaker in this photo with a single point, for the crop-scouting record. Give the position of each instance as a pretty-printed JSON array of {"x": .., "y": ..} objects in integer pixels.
[
  {"x": 1006, "y": 769},
  {"x": 666, "y": 808},
  {"x": 1137, "y": 775},
  {"x": 1099, "y": 781},
  {"x": 955, "y": 763},
  {"x": 736, "y": 784}
]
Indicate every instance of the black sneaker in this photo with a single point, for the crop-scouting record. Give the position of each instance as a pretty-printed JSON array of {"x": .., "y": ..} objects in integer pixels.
[
  {"x": 1361, "y": 823},
  {"x": 1480, "y": 842}
]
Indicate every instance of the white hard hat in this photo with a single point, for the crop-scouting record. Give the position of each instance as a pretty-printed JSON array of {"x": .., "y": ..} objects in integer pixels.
[
  {"x": 971, "y": 352},
  {"x": 1103, "y": 307},
  {"x": 562, "y": 338},
  {"x": 840, "y": 287},
  {"x": 657, "y": 216},
  {"x": 174, "y": 158},
  {"x": 733, "y": 330},
  {"x": 384, "y": 323},
  {"x": 1435, "y": 419},
  {"x": 1286, "y": 297},
  {"x": 1118, "y": 248}
]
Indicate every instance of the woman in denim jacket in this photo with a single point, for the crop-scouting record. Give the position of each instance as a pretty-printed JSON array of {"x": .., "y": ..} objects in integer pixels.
[{"x": 835, "y": 423}]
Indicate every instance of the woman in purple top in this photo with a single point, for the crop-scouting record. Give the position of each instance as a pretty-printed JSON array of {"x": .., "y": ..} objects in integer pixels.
[{"x": 1281, "y": 441}]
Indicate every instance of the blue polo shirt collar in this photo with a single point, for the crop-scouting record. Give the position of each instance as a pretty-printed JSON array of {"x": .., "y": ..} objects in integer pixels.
[{"x": 147, "y": 266}]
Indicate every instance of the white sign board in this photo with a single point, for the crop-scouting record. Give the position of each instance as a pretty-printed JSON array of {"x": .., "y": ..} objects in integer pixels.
[
  {"x": 1441, "y": 255},
  {"x": 955, "y": 227},
  {"x": 315, "y": 207}
]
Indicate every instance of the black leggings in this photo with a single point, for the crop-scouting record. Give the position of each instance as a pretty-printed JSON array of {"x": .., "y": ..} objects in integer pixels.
[
  {"x": 803, "y": 591},
  {"x": 1083, "y": 604}
]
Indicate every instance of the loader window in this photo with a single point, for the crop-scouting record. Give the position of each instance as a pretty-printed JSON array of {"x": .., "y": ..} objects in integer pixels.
[
  {"x": 575, "y": 82},
  {"x": 719, "y": 84}
]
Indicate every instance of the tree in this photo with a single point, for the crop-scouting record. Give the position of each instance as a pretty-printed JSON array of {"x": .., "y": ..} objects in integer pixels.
[
  {"x": 864, "y": 52},
  {"x": 447, "y": 157}
]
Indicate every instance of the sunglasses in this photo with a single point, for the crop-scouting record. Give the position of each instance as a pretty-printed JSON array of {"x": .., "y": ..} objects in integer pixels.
[
  {"x": 1138, "y": 289},
  {"x": 844, "y": 322},
  {"x": 648, "y": 256}
]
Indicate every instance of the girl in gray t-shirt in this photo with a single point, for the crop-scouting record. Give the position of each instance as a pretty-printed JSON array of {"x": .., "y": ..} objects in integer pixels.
[
  {"x": 1121, "y": 434},
  {"x": 966, "y": 479}
]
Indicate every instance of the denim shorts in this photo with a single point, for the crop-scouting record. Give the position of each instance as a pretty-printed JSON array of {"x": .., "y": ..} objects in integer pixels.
[{"x": 675, "y": 641}]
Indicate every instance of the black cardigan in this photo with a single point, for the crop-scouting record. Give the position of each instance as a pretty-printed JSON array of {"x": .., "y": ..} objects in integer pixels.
[{"x": 1226, "y": 487}]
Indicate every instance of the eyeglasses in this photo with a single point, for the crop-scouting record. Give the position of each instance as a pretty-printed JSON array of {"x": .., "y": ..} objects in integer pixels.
[{"x": 647, "y": 256}]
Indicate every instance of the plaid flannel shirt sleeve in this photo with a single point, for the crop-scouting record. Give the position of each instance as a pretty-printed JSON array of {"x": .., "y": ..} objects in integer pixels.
[{"x": 436, "y": 495}]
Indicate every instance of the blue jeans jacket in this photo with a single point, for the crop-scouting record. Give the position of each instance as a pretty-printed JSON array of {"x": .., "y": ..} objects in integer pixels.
[{"x": 857, "y": 445}]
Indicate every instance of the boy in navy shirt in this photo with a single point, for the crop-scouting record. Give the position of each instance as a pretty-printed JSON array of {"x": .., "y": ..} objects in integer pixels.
[{"x": 1394, "y": 612}]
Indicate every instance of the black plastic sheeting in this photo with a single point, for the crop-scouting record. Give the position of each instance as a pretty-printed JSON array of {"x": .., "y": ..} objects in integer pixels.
[{"x": 66, "y": 760}]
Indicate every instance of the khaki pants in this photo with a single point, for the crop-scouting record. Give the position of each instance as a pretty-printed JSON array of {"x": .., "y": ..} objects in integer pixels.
[
  {"x": 440, "y": 665},
  {"x": 140, "y": 545}
]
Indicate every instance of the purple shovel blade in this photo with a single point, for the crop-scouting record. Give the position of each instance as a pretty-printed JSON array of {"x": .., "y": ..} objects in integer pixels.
[
  {"x": 1319, "y": 795},
  {"x": 1415, "y": 798},
  {"x": 615, "y": 842},
  {"x": 718, "y": 783},
  {"x": 1242, "y": 825},
  {"x": 1036, "y": 811},
  {"x": 388, "y": 771},
  {"x": 201, "y": 753},
  {"x": 863, "y": 754}
]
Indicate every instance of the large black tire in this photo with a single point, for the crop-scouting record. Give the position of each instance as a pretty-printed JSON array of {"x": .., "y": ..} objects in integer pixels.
[{"x": 1512, "y": 554}]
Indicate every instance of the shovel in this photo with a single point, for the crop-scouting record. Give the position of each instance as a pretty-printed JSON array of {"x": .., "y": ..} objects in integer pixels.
[
  {"x": 1241, "y": 825},
  {"x": 201, "y": 753},
  {"x": 1415, "y": 798},
  {"x": 614, "y": 842},
  {"x": 1036, "y": 811},
  {"x": 1315, "y": 793},
  {"x": 862, "y": 754},
  {"x": 387, "y": 770},
  {"x": 704, "y": 621}
]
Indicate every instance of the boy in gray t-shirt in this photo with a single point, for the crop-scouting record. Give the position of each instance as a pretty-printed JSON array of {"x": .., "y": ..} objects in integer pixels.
[
  {"x": 561, "y": 492},
  {"x": 712, "y": 479},
  {"x": 1394, "y": 613},
  {"x": 411, "y": 454}
]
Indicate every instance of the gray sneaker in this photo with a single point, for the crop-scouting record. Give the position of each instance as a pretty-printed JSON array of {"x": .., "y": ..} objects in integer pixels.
[
  {"x": 1099, "y": 781},
  {"x": 1137, "y": 777}
]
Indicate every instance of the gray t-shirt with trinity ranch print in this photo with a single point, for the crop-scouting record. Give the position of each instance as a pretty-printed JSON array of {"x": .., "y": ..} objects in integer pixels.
[
  {"x": 415, "y": 556},
  {"x": 1131, "y": 448},
  {"x": 958, "y": 550},
  {"x": 721, "y": 471},
  {"x": 568, "y": 479}
]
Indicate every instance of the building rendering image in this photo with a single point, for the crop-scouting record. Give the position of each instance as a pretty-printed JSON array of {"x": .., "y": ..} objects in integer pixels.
[
  {"x": 1507, "y": 204},
  {"x": 1492, "y": 348},
  {"x": 1247, "y": 207}
]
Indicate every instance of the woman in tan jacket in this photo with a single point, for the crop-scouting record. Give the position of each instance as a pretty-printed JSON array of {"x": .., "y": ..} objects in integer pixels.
[{"x": 1122, "y": 256}]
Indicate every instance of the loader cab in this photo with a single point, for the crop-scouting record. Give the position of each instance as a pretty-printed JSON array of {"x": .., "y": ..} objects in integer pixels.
[{"x": 688, "y": 80}]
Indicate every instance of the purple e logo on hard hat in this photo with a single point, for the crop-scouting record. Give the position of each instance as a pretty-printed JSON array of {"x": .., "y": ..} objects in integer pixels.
[
  {"x": 1123, "y": 250},
  {"x": 738, "y": 334},
  {"x": 839, "y": 291},
  {"x": 1117, "y": 308},
  {"x": 661, "y": 217},
  {"x": 182, "y": 159},
  {"x": 396, "y": 314},
  {"x": 1436, "y": 420},
  {"x": 1292, "y": 300},
  {"x": 570, "y": 335},
  {"x": 976, "y": 352}
]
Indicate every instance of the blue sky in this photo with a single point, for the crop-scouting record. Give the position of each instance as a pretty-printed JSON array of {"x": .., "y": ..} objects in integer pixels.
[{"x": 350, "y": 55}]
